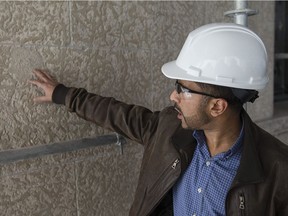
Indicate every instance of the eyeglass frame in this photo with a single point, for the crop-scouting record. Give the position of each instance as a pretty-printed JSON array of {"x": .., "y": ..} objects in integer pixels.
[{"x": 182, "y": 89}]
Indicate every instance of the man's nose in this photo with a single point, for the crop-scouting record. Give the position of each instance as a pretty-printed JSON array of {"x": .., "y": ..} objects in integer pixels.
[{"x": 174, "y": 96}]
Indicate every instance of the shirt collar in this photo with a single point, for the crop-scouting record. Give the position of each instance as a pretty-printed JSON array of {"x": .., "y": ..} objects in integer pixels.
[{"x": 201, "y": 144}]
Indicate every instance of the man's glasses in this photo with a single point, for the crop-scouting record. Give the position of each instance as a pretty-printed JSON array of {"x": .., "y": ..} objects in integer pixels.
[{"x": 182, "y": 89}]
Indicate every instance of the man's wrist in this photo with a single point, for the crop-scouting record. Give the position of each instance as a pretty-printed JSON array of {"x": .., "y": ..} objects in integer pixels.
[{"x": 59, "y": 94}]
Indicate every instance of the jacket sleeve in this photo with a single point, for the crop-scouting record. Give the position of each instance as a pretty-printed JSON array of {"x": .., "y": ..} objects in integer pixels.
[{"x": 134, "y": 122}]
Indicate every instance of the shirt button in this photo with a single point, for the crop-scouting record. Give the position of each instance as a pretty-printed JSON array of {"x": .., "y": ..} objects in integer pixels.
[
  {"x": 208, "y": 163},
  {"x": 199, "y": 190},
  {"x": 194, "y": 214}
]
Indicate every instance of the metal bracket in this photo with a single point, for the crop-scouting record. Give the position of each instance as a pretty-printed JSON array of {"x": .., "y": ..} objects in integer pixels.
[
  {"x": 120, "y": 142},
  {"x": 233, "y": 13},
  {"x": 241, "y": 12}
]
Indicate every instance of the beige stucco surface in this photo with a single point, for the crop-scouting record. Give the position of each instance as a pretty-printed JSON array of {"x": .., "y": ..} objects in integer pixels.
[{"x": 111, "y": 48}]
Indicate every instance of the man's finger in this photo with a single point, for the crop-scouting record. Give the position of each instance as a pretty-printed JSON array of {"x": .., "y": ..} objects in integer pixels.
[
  {"x": 37, "y": 83},
  {"x": 41, "y": 99},
  {"x": 47, "y": 75},
  {"x": 41, "y": 75}
]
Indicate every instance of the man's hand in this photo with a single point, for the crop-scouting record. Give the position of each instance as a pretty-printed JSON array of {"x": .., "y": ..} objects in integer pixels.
[{"x": 45, "y": 82}]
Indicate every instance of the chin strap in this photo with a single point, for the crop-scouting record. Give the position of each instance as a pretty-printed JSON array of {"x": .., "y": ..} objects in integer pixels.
[{"x": 245, "y": 95}]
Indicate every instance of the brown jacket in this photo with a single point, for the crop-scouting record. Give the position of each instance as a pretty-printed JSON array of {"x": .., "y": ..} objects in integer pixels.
[{"x": 261, "y": 184}]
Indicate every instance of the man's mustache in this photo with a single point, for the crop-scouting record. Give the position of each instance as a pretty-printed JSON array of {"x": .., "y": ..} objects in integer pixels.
[{"x": 177, "y": 108}]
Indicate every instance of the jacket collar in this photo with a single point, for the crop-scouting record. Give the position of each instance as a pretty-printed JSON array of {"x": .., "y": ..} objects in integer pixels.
[{"x": 250, "y": 169}]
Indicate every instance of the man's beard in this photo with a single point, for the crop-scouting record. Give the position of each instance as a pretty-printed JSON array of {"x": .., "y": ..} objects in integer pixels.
[{"x": 196, "y": 120}]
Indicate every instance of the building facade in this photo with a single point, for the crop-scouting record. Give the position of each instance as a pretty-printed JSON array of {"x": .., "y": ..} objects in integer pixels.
[{"x": 114, "y": 48}]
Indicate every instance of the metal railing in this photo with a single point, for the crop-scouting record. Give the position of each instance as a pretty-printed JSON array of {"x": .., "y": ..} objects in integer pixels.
[{"x": 12, "y": 155}]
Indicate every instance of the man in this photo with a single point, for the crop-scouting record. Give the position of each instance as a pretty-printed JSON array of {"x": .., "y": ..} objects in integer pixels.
[{"x": 204, "y": 156}]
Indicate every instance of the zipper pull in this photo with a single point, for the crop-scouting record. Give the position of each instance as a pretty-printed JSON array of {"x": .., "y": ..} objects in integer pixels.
[
  {"x": 175, "y": 163},
  {"x": 242, "y": 201}
]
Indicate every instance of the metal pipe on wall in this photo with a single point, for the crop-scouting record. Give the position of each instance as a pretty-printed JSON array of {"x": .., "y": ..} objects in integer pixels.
[{"x": 12, "y": 155}]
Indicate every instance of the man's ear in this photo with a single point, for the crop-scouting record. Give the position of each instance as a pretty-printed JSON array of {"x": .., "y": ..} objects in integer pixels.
[{"x": 217, "y": 106}]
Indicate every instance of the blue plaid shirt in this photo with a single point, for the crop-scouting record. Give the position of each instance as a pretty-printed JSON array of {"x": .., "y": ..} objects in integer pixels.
[{"x": 203, "y": 187}]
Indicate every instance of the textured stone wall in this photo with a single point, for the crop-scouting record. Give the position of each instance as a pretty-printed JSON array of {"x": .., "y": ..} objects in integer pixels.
[{"x": 112, "y": 48}]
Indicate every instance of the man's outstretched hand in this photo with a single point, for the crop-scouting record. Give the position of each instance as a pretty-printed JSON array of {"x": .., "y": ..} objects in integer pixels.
[{"x": 45, "y": 82}]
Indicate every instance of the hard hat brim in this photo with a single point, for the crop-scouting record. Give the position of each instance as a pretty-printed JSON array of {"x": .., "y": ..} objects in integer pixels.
[
  {"x": 170, "y": 69},
  {"x": 173, "y": 71}
]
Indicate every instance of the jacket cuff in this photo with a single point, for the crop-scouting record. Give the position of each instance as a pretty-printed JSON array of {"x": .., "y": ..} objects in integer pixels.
[{"x": 59, "y": 94}]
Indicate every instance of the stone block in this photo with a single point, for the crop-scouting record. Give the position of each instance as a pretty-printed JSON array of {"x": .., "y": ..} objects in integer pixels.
[
  {"x": 46, "y": 191},
  {"x": 108, "y": 193},
  {"x": 162, "y": 86},
  {"x": 112, "y": 24},
  {"x": 125, "y": 75},
  {"x": 27, "y": 22}
]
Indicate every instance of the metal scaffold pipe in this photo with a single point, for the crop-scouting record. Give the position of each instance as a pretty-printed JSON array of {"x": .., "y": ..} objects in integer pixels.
[{"x": 240, "y": 15}]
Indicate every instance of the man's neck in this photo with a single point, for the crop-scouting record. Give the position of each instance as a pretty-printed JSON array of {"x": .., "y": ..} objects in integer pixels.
[{"x": 223, "y": 134}]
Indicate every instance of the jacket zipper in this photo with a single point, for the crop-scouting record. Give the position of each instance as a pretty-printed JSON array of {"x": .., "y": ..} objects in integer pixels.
[
  {"x": 175, "y": 163},
  {"x": 242, "y": 204},
  {"x": 173, "y": 166}
]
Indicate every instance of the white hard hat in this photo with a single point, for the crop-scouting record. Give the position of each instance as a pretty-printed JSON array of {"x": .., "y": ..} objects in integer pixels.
[{"x": 223, "y": 54}]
